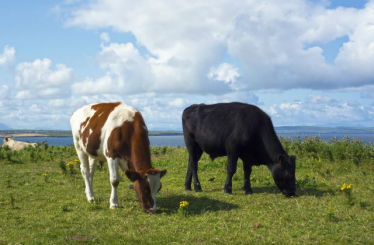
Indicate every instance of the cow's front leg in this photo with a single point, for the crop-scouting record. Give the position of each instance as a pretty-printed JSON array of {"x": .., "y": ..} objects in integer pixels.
[
  {"x": 247, "y": 181},
  {"x": 114, "y": 181},
  {"x": 231, "y": 170}
]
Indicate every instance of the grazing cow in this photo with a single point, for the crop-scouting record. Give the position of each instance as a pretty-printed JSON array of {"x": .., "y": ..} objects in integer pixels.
[
  {"x": 236, "y": 130},
  {"x": 116, "y": 133},
  {"x": 16, "y": 145}
]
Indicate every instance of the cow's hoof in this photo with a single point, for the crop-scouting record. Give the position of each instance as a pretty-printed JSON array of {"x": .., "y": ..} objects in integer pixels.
[
  {"x": 114, "y": 206},
  {"x": 91, "y": 199},
  {"x": 227, "y": 192},
  {"x": 200, "y": 190},
  {"x": 249, "y": 192},
  {"x": 188, "y": 189}
]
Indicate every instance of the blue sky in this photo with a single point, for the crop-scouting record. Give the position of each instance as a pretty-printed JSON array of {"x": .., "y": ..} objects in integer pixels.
[{"x": 303, "y": 62}]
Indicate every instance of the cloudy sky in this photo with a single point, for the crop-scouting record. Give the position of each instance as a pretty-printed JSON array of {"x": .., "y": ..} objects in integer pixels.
[{"x": 304, "y": 62}]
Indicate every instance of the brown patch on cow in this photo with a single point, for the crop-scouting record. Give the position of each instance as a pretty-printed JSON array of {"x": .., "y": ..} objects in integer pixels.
[
  {"x": 130, "y": 142},
  {"x": 95, "y": 123}
]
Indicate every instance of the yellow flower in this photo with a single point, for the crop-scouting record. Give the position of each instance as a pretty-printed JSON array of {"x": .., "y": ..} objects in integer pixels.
[
  {"x": 346, "y": 187},
  {"x": 45, "y": 175},
  {"x": 70, "y": 164},
  {"x": 183, "y": 204},
  {"x": 331, "y": 208},
  {"x": 76, "y": 160}
]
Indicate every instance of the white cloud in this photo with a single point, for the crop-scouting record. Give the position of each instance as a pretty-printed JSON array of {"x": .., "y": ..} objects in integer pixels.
[
  {"x": 224, "y": 72},
  {"x": 36, "y": 80},
  {"x": 186, "y": 39},
  {"x": 320, "y": 99},
  {"x": 8, "y": 56},
  {"x": 320, "y": 110},
  {"x": 4, "y": 92},
  {"x": 24, "y": 95},
  {"x": 178, "y": 103},
  {"x": 39, "y": 75},
  {"x": 188, "y": 52},
  {"x": 104, "y": 36}
]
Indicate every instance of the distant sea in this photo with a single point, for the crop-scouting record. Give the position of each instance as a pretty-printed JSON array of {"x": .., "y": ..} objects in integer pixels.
[{"x": 178, "y": 140}]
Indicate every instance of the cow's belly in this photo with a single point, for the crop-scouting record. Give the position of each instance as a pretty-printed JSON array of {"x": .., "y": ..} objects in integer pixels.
[
  {"x": 214, "y": 148},
  {"x": 100, "y": 154}
]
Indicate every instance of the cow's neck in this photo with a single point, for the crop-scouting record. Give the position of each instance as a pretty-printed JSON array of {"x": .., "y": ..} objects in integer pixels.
[
  {"x": 272, "y": 144},
  {"x": 141, "y": 157}
]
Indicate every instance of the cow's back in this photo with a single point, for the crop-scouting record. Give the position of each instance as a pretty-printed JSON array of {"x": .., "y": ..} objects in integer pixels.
[
  {"x": 18, "y": 145},
  {"x": 92, "y": 126},
  {"x": 213, "y": 127}
]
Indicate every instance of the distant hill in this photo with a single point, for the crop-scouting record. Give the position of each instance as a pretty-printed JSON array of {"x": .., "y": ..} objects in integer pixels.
[
  {"x": 323, "y": 130},
  {"x": 4, "y": 127}
]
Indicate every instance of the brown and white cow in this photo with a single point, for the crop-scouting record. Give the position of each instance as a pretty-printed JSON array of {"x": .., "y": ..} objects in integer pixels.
[
  {"x": 116, "y": 133},
  {"x": 16, "y": 145}
]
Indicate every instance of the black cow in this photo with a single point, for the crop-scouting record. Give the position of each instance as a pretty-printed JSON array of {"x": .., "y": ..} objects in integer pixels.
[{"x": 236, "y": 130}]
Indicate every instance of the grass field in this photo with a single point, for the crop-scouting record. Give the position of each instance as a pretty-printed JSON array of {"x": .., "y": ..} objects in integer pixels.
[{"x": 42, "y": 200}]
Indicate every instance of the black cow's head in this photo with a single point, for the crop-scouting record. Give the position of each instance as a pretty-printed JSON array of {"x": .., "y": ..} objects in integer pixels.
[{"x": 284, "y": 174}]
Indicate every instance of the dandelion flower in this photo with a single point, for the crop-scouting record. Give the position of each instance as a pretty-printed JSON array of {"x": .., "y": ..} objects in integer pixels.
[
  {"x": 183, "y": 204},
  {"x": 344, "y": 187}
]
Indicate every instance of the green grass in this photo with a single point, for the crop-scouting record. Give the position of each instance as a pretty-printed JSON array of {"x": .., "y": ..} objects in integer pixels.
[{"x": 52, "y": 209}]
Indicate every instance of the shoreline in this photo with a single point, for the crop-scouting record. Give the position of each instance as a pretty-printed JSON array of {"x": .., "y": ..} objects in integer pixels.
[{"x": 25, "y": 135}]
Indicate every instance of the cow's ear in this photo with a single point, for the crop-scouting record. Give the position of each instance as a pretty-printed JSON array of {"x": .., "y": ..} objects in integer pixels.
[
  {"x": 133, "y": 175},
  {"x": 156, "y": 171},
  {"x": 281, "y": 158},
  {"x": 162, "y": 173}
]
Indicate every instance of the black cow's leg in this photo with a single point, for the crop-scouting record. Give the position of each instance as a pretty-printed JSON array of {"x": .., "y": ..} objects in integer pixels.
[
  {"x": 195, "y": 153},
  {"x": 188, "y": 181},
  {"x": 247, "y": 174},
  {"x": 231, "y": 170}
]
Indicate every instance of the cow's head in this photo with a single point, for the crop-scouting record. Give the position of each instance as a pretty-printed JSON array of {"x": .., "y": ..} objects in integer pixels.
[
  {"x": 7, "y": 140},
  {"x": 146, "y": 187},
  {"x": 284, "y": 174}
]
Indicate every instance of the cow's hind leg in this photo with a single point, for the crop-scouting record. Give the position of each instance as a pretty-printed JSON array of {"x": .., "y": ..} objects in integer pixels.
[
  {"x": 93, "y": 164},
  {"x": 114, "y": 181},
  {"x": 247, "y": 174},
  {"x": 85, "y": 170},
  {"x": 195, "y": 153},
  {"x": 231, "y": 170}
]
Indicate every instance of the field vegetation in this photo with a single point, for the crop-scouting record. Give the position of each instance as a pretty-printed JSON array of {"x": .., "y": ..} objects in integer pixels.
[{"x": 42, "y": 200}]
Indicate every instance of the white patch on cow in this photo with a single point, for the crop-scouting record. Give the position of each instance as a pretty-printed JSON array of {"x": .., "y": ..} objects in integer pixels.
[
  {"x": 91, "y": 131},
  {"x": 121, "y": 114},
  {"x": 154, "y": 184},
  {"x": 78, "y": 117},
  {"x": 123, "y": 164}
]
